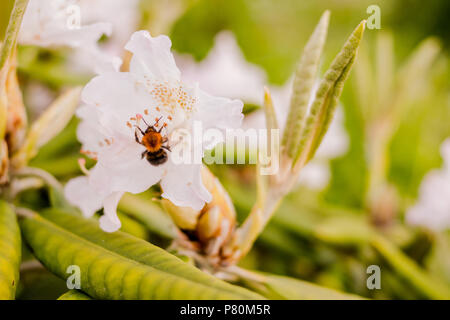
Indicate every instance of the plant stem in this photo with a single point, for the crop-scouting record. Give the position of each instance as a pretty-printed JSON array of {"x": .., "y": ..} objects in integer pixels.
[
  {"x": 12, "y": 32},
  {"x": 7, "y": 50}
]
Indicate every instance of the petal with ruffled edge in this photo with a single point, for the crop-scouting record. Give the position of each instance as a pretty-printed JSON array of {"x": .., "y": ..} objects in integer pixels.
[
  {"x": 45, "y": 24},
  {"x": 120, "y": 96},
  {"x": 182, "y": 184},
  {"x": 79, "y": 193},
  {"x": 89, "y": 132},
  {"x": 152, "y": 57},
  {"x": 218, "y": 112}
]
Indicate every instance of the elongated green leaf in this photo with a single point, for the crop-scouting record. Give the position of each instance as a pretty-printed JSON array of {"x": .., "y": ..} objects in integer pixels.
[
  {"x": 10, "y": 252},
  {"x": 305, "y": 77},
  {"x": 74, "y": 295},
  {"x": 117, "y": 265},
  {"x": 36, "y": 282},
  {"x": 134, "y": 249},
  {"x": 409, "y": 270},
  {"x": 131, "y": 226},
  {"x": 412, "y": 76},
  {"x": 327, "y": 95},
  {"x": 279, "y": 287}
]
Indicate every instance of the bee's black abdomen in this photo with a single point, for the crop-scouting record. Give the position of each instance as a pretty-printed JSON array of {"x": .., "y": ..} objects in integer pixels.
[{"x": 157, "y": 158}]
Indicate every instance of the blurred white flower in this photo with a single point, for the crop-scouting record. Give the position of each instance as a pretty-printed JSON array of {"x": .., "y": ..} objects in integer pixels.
[
  {"x": 242, "y": 80},
  {"x": 432, "y": 209},
  {"x": 123, "y": 15},
  {"x": 238, "y": 78},
  {"x": 120, "y": 107},
  {"x": 57, "y": 23}
]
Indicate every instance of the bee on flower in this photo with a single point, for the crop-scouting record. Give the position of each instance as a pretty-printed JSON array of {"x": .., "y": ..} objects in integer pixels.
[{"x": 128, "y": 125}]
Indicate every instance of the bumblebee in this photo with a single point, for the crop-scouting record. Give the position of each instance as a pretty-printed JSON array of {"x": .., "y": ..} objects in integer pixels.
[{"x": 153, "y": 141}]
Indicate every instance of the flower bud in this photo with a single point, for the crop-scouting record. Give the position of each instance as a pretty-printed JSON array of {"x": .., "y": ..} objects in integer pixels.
[
  {"x": 16, "y": 114},
  {"x": 212, "y": 226}
]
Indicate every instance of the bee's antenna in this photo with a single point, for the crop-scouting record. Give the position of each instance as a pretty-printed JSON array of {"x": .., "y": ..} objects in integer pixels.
[
  {"x": 145, "y": 122},
  {"x": 162, "y": 127},
  {"x": 157, "y": 120}
]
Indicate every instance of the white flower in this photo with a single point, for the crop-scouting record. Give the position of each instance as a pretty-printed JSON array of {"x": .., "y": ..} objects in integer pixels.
[
  {"x": 57, "y": 23},
  {"x": 239, "y": 79},
  {"x": 122, "y": 15},
  {"x": 243, "y": 80},
  {"x": 118, "y": 102},
  {"x": 433, "y": 207}
]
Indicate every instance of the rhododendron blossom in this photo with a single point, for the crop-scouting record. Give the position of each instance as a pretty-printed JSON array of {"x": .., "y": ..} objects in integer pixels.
[
  {"x": 58, "y": 23},
  {"x": 120, "y": 107}
]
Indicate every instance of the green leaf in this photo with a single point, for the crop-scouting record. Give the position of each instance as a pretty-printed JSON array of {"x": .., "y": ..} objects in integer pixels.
[
  {"x": 409, "y": 270},
  {"x": 344, "y": 230},
  {"x": 117, "y": 265},
  {"x": 10, "y": 252},
  {"x": 37, "y": 283},
  {"x": 327, "y": 96},
  {"x": 269, "y": 111},
  {"x": 131, "y": 226},
  {"x": 279, "y": 287},
  {"x": 74, "y": 295},
  {"x": 305, "y": 76},
  {"x": 148, "y": 213},
  {"x": 48, "y": 125}
]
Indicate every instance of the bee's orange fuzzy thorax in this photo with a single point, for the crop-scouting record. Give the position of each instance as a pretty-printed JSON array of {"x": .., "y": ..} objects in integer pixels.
[{"x": 152, "y": 141}]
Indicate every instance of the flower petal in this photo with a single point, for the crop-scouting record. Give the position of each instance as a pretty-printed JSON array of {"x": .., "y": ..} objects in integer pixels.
[
  {"x": 47, "y": 23},
  {"x": 109, "y": 222},
  {"x": 134, "y": 177},
  {"x": 80, "y": 194},
  {"x": 91, "y": 57},
  {"x": 217, "y": 112},
  {"x": 120, "y": 95},
  {"x": 182, "y": 184},
  {"x": 152, "y": 57}
]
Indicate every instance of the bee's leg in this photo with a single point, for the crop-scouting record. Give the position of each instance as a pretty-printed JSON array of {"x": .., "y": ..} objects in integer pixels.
[
  {"x": 166, "y": 147},
  {"x": 136, "y": 137},
  {"x": 140, "y": 130},
  {"x": 143, "y": 154},
  {"x": 164, "y": 140}
]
